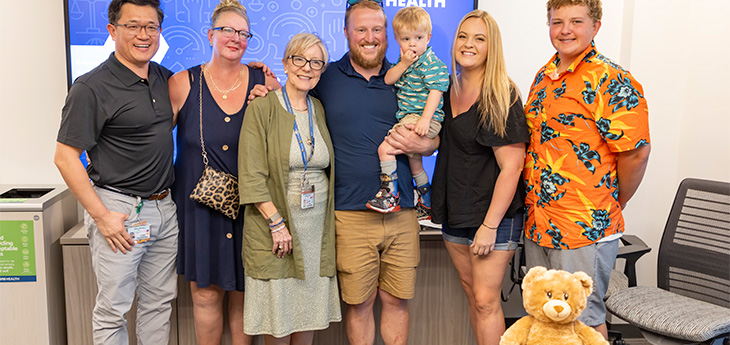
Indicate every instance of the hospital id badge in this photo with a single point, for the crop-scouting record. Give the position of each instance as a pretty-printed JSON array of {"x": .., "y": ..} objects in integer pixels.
[
  {"x": 307, "y": 193},
  {"x": 139, "y": 231}
]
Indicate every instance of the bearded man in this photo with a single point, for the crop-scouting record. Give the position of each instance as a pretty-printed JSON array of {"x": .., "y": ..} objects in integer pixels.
[{"x": 377, "y": 253}]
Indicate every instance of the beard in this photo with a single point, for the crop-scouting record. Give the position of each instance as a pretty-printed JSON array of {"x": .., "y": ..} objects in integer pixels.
[{"x": 364, "y": 62}]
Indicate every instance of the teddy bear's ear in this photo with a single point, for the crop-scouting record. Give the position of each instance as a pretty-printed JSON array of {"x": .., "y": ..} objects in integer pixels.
[
  {"x": 532, "y": 274},
  {"x": 585, "y": 280}
]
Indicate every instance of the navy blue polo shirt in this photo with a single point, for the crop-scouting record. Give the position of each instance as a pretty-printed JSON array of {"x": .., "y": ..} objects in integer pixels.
[
  {"x": 124, "y": 123},
  {"x": 359, "y": 115}
]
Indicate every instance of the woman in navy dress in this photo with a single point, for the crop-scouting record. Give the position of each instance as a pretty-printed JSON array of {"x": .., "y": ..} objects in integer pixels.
[{"x": 209, "y": 250}]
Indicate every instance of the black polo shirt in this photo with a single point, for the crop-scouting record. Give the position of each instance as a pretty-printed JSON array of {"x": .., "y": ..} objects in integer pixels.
[
  {"x": 359, "y": 114},
  {"x": 124, "y": 123},
  {"x": 466, "y": 168}
]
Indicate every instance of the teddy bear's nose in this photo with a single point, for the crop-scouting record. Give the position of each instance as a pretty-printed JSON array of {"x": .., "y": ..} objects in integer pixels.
[{"x": 558, "y": 309}]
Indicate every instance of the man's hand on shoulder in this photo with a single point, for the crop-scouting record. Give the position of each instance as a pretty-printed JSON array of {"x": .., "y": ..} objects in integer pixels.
[
  {"x": 259, "y": 91},
  {"x": 262, "y": 66}
]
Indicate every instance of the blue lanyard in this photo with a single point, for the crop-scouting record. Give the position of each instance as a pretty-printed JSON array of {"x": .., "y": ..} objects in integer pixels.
[{"x": 302, "y": 148}]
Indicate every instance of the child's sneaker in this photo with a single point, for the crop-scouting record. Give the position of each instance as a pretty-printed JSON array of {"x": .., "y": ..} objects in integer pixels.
[
  {"x": 384, "y": 202},
  {"x": 423, "y": 206},
  {"x": 424, "y": 195}
]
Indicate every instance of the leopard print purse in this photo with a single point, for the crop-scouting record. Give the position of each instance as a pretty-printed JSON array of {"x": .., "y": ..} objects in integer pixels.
[{"x": 215, "y": 189}]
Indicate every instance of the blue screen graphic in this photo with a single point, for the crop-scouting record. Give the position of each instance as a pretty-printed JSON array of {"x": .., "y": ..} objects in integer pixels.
[{"x": 184, "y": 42}]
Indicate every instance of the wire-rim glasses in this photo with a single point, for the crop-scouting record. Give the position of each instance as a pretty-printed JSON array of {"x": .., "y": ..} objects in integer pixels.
[{"x": 151, "y": 29}]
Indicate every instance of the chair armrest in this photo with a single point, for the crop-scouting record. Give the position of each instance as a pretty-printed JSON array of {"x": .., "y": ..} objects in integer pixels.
[{"x": 633, "y": 248}]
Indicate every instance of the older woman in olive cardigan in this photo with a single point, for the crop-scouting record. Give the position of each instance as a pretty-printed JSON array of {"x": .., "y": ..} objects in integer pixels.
[{"x": 286, "y": 163}]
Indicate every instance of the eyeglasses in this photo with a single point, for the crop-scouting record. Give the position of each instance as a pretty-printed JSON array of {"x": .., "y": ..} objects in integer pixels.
[
  {"x": 228, "y": 32},
  {"x": 352, "y": 2},
  {"x": 300, "y": 61},
  {"x": 151, "y": 29}
]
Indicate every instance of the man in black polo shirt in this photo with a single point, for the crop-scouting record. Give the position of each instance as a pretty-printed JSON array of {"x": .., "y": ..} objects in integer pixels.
[{"x": 120, "y": 114}]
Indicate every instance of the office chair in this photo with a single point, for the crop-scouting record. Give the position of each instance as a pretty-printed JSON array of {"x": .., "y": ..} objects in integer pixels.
[{"x": 691, "y": 303}]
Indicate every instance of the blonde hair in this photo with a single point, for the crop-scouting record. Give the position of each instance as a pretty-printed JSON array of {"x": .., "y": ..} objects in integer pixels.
[
  {"x": 495, "y": 98},
  {"x": 229, "y": 6},
  {"x": 595, "y": 10},
  {"x": 303, "y": 41},
  {"x": 411, "y": 18}
]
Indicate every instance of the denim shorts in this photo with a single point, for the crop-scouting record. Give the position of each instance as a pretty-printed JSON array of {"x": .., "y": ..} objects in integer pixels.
[{"x": 509, "y": 233}]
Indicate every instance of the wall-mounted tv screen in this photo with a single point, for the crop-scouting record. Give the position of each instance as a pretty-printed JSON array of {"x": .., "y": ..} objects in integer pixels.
[{"x": 184, "y": 43}]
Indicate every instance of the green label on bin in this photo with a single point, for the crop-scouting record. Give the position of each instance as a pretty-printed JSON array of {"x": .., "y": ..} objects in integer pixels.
[
  {"x": 13, "y": 200},
  {"x": 17, "y": 251}
]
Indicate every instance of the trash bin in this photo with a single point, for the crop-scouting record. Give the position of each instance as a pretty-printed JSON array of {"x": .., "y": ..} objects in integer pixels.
[{"x": 32, "y": 220}]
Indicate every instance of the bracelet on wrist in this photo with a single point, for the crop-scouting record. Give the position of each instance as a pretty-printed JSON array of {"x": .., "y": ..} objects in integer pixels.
[
  {"x": 277, "y": 229},
  {"x": 279, "y": 222},
  {"x": 489, "y": 227},
  {"x": 274, "y": 218}
]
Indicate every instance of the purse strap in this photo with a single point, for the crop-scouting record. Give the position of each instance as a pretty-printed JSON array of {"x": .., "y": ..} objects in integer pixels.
[{"x": 202, "y": 142}]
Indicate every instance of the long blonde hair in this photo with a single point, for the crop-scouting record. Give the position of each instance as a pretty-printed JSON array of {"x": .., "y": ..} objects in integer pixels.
[{"x": 496, "y": 95}]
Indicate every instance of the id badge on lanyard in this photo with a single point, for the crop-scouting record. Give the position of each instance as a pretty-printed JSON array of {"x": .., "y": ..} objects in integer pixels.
[
  {"x": 140, "y": 230},
  {"x": 307, "y": 192},
  {"x": 307, "y": 198}
]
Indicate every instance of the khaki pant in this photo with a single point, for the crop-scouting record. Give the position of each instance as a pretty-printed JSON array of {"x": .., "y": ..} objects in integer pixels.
[{"x": 376, "y": 250}]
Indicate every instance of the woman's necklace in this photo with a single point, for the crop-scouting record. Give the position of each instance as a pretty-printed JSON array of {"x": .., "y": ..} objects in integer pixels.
[
  {"x": 299, "y": 110},
  {"x": 236, "y": 84}
]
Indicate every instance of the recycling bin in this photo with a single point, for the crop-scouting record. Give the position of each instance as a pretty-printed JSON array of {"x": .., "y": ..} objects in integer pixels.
[{"x": 32, "y": 220}]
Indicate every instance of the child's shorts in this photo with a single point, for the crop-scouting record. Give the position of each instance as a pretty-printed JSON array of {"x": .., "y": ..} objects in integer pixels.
[{"x": 433, "y": 129}]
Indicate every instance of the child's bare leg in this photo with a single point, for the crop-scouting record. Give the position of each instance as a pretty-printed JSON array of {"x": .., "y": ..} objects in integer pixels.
[
  {"x": 383, "y": 150},
  {"x": 419, "y": 176},
  {"x": 416, "y": 164}
]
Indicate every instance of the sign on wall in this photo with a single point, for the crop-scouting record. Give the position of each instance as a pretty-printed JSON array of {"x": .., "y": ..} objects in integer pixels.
[{"x": 17, "y": 251}]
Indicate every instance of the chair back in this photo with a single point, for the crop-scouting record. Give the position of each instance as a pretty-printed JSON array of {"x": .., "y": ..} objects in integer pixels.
[{"x": 694, "y": 255}]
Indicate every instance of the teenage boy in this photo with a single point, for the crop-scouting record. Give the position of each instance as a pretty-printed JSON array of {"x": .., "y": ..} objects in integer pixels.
[{"x": 589, "y": 146}]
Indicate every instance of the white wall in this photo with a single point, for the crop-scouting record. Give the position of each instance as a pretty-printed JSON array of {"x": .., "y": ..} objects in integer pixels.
[
  {"x": 678, "y": 52},
  {"x": 33, "y": 58},
  {"x": 680, "y": 55}
]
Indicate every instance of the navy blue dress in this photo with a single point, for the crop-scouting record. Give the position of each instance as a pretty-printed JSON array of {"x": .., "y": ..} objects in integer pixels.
[{"x": 209, "y": 248}]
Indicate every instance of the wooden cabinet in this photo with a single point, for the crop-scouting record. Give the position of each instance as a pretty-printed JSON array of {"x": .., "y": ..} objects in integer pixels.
[{"x": 438, "y": 313}]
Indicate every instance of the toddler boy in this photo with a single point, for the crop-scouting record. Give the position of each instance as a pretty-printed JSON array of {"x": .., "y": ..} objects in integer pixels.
[{"x": 421, "y": 78}]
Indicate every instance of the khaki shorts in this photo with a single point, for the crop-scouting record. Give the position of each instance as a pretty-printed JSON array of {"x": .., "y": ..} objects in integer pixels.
[
  {"x": 433, "y": 128},
  {"x": 376, "y": 250}
]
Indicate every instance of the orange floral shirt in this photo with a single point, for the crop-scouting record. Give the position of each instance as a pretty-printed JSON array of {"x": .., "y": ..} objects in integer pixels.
[{"x": 579, "y": 121}]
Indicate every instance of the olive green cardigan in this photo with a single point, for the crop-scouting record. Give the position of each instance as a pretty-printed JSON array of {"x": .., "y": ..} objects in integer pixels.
[{"x": 263, "y": 175}]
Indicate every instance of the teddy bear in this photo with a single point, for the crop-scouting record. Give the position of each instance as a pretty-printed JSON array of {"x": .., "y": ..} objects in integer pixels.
[{"x": 553, "y": 299}]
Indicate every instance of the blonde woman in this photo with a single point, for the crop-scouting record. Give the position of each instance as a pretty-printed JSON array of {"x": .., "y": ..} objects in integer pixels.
[
  {"x": 477, "y": 194},
  {"x": 286, "y": 168},
  {"x": 209, "y": 248}
]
